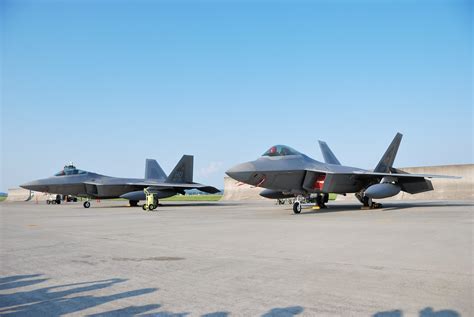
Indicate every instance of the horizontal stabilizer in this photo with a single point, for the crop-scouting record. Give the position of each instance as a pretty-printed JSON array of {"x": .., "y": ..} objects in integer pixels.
[
  {"x": 208, "y": 189},
  {"x": 403, "y": 175},
  {"x": 328, "y": 155},
  {"x": 182, "y": 186}
]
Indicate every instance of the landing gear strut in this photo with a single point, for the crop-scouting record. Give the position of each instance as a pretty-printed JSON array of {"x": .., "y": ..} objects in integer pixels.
[
  {"x": 321, "y": 200},
  {"x": 367, "y": 202},
  {"x": 133, "y": 203}
]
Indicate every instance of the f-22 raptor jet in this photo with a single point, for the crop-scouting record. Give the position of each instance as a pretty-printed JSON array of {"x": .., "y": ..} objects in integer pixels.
[
  {"x": 285, "y": 173},
  {"x": 72, "y": 181}
]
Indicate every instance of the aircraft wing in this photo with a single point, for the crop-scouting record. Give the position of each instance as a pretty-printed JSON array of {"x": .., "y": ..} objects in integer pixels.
[
  {"x": 342, "y": 180},
  {"x": 181, "y": 186},
  {"x": 404, "y": 175}
]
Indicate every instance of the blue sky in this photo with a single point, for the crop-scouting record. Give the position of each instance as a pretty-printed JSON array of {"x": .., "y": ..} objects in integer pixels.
[{"x": 106, "y": 84}]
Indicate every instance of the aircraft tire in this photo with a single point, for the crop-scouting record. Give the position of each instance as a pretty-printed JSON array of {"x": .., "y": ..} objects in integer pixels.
[
  {"x": 297, "y": 207},
  {"x": 151, "y": 207},
  {"x": 86, "y": 204},
  {"x": 365, "y": 201},
  {"x": 319, "y": 200}
]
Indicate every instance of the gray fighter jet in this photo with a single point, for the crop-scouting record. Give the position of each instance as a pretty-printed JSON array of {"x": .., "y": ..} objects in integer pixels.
[
  {"x": 72, "y": 181},
  {"x": 285, "y": 173}
]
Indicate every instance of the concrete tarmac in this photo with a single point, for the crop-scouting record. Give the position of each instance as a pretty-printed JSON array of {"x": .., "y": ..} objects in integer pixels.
[{"x": 233, "y": 259}]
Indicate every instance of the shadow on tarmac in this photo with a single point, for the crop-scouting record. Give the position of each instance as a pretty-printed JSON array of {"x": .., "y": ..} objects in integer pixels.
[
  {"x": 426, "y": 312},
  {"x": 65, "y": 299},
  {"x": 196, "y": 204},
  {"x": 62, "y": 299},
  {"x": 168, "y": 204},
  {"x": 390, "y": 206}
]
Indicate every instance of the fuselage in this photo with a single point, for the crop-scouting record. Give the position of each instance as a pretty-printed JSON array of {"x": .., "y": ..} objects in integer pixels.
[
  {"x": 296, "y": 174},
  {"x": 88, "y": 184}
]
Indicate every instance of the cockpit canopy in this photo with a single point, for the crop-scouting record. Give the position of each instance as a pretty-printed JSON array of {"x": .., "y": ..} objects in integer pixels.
[
  {"x": 280, "y": 150},
  {"x": 69, "y": 169}
]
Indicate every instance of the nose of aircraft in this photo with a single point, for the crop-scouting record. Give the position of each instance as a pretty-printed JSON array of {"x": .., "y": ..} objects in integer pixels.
[
  {"x": 241, "y": 172},
  {"x": 34, "y": 185}
]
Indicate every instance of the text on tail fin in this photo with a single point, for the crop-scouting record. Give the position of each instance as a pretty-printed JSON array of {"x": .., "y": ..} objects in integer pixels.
[{"x": 183, "y": 171}]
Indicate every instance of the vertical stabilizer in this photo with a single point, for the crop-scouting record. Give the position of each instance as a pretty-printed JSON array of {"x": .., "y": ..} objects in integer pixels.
[
  {"x": 153, "y": 170},
  {"x": 328, "y": 155},
  {"x": 386, "y": 162},
  {"x": 183, "y": 172}
]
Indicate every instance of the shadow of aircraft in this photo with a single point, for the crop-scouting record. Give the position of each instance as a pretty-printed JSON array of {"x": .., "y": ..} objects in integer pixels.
[
  {"x": 388, "y": 206},
  {"x": 190, "y": 204},
  {"x": 167, "y": 204}
]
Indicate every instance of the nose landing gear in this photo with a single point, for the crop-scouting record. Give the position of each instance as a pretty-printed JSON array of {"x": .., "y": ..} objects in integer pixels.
[
  {"x": 320, "y": 201},
  {"x": 297, "y": 206}
]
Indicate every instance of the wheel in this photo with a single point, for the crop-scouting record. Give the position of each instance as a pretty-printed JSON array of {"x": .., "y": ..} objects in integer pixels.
[
  {"x": 144, "y": 207},
  {"x": 151, "y": 207},
  {"x": 133, "y": 203},
  {"x": 366, "y": 201},
  {"x": 319, "y": 200},
  {"x": 297, "y": 207},
  {"x": 376, "y": 205},
  {"x": 48, "y": 202},
  {"x": 58, "y": 202},
  {"x": 87, "y": 204}
]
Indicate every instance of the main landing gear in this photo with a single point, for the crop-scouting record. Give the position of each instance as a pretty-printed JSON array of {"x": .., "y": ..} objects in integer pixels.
[
  {"x": 367, "y": 202},
  {"x": 321, "y": 200}
]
